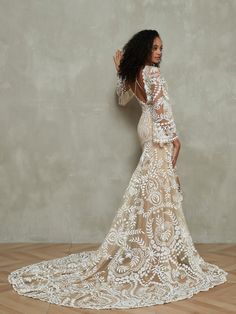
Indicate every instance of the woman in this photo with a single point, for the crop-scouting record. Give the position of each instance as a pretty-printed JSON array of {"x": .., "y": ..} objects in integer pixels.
[{"x": 148, "y": 256}]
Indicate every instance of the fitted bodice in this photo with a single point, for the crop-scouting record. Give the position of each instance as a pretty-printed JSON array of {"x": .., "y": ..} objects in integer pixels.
[
  {"x": 156, "y": 122},
  {"x": 144, "y": 127}
]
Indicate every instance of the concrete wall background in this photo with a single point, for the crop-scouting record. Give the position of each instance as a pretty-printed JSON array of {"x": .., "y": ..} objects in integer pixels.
[{"x": 67, "y": 151}]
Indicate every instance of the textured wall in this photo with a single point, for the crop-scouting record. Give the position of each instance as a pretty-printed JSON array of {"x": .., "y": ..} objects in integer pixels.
[{"x": 67, "y": 151}]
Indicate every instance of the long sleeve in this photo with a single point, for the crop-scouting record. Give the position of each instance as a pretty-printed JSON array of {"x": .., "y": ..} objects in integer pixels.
[
  {"x": 164, "y": 127},
  {"x": 124, "y": 92}
]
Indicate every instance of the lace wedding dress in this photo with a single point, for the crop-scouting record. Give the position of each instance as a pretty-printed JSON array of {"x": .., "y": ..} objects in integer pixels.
[{"x": 148, "y": 256}]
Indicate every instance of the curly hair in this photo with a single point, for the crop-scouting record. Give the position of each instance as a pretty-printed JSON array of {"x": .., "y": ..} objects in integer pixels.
[{"x": 135, "y": 53}]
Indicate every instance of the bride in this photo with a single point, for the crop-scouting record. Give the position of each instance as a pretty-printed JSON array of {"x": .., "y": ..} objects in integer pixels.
[{"x": 148, "y": 256}]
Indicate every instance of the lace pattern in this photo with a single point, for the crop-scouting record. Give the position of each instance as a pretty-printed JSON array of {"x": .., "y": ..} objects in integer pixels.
[
  {"x": 124, "y": 93},
  {"x": 164, "y": 128}
]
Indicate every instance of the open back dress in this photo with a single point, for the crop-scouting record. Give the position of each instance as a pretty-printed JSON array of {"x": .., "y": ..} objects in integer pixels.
[{"x": 148, "y": 256}]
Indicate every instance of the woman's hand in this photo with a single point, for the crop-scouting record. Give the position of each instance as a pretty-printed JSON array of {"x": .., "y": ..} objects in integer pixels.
[
  {"x": 117, "y": 58},
  {"x": 176, "y": 149}
]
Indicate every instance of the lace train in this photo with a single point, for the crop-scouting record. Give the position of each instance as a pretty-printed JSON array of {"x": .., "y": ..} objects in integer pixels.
[{"x": 147, "y": 257}]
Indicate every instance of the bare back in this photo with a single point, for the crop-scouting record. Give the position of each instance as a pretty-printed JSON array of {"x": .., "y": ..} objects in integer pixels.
[{"x": 138, "y": 88}]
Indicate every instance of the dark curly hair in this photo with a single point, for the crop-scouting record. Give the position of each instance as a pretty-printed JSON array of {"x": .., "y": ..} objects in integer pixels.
[{"x": 135, "y": 53}]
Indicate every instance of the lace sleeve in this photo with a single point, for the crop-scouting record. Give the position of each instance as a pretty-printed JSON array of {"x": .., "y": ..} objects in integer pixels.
[
  {"x": 164, "y": 127},
  {"x": 124, "y": 92}
]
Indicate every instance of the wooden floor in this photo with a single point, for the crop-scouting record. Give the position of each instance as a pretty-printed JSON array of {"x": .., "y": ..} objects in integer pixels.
[{"x": 219, "y": 299}]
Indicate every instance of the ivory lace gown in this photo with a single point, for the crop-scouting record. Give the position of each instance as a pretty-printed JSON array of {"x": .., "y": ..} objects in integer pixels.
[{"x": 148, "y": 256}]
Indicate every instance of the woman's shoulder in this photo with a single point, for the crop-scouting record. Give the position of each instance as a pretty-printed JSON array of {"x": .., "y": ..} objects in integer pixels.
[{"x": 151, "y": 71}]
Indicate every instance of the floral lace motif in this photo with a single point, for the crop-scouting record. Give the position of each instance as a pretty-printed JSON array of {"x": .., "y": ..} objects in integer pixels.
[
  {"x": 164, "y": 128},
  {"x": 124, "y": 93},
  {"x": 147, "y": 257}
]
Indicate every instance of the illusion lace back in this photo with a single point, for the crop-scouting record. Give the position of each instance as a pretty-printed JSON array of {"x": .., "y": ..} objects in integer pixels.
[{"x": 148, "y": 256}]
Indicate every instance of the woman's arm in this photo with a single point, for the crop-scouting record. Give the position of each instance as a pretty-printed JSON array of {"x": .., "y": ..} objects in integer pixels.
[
  {"x": 117, "y": 58},
  {"x": 123, "y": 90},
  {"x": 164, "y": 127}
]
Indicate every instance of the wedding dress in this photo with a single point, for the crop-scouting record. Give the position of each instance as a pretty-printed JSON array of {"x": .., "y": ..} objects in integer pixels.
[{"x": 148, "y": 256}]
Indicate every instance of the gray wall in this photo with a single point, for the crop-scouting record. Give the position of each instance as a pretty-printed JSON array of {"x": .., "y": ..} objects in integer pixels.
[{"x": 67, "y": 151}]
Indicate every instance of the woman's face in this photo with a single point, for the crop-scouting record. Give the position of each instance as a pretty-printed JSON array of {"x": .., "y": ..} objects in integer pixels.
[{"x": 156, "y": 52}]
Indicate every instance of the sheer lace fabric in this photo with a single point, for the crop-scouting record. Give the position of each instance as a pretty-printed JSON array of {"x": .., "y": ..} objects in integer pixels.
[{"x": 148, "y": 256}]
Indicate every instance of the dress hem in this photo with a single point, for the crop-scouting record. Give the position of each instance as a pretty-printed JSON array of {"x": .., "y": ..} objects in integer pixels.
[{"x": 170, "y": 300}]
